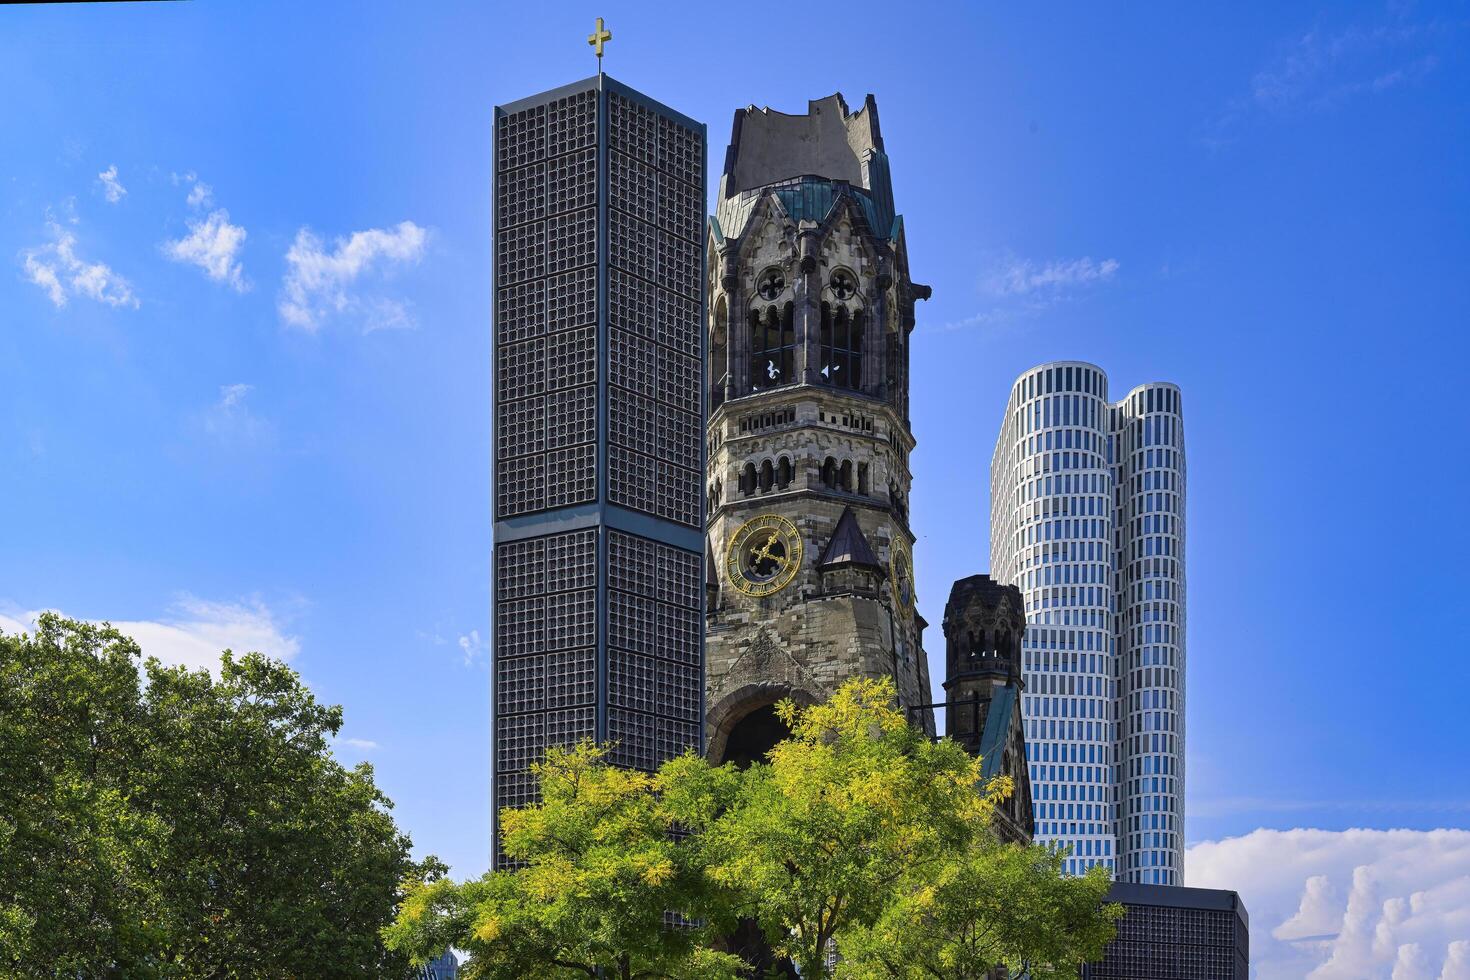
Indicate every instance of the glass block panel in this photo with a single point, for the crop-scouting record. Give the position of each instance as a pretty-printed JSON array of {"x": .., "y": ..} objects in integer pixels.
[
  {"x": 571, "y": 476},
  {"x": 571, "y": 300},
  {"x": 520, "y": 568},
  {"x": 520, "y": 253},
  {"x": 520, "y": 684},
  {"x": 520, "y": 138},
  {"x": 521, "y": 311},
  {"x": 633, "y": 736},
  {"x": 520, "y": 627},
  {"x": 572, "y": 123},
  {"x": 520, "y": 196},
  {"x": 571, "y": 678},
  {"x": 632, "y": 680},
  {"x": 572, "y": 358},
  {"x": 571, "y": 240},
  {"x": 522, "y": 428},
  {"x": 520, "y": 486},
  {"x": 571, "y": 619},
  {"x": 630, "y": 479},
  {"x": 571, "y": 560},
  {"x": 571, "y": 417},
  {"x": 571, "y": 182}
]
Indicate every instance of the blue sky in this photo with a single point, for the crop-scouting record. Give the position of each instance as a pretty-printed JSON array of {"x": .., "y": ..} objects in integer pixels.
[{"x": 244, "y": 376}]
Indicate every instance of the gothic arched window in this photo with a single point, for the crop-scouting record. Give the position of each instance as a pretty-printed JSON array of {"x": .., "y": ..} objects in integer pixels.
[
  {"x": 783, "y": 472},
  {"x": 842, "y": 347},
  {"x": 768, "y": 476},
  {"x": 772, "y": 348},
  {"x": 829, "y": 473},
  {"x": 844, "y": 475}
]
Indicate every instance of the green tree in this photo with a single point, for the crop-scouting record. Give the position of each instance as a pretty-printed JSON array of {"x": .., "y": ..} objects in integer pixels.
[
  {"x": 602, "y": 862},
  {"x": 854, "y": 803},
  {"x": 185, "y": 826},
  {"x": 994, "y": 905}
]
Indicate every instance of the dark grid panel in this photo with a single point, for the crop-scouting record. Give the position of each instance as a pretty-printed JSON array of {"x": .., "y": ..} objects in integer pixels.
[
  {"x": 571, "y": 476},
  {"x": 520, "y": 196},
  {"x": 571, "y": 300},
  {"x": 678, "y": 379},
  {"x": 571, "y": 182},
  {"x": 572, "y": 358},
  {"x": 522, "y": 428},
  {"x": 631, "y": 303},
  {"x": 571, "y": 678},
  {"x": 677, "y": 633},
  {"x": 632, "y": 363},
  {"x": 630, "y": 419},
  {"x": 520, "y": 569},
  {"x": 630, "y": 479},
  {"x": 519, "y": 685},
  {"x": 520, "y": 138},
  {"x": 519, "y": 740},
  {"x": 631, "y": 622},
  {"x": 679, "y": 211},
  {"x": 632, "y": 187},
  {"x": 677, "y": 494},
  {"x": 571, "y": 123},
  {"x": 632, "y": 244},
  {"x": 520, "y": 486},
  {"x": 520, "y": 253},
  {"x": 632, "y": 129},
  {"x": 516, "y": 789},
  {"x": 520, "y": 627},
  {"x": 679, "y": 438},
  {"x": 679, "y": 689},
  {"x": 632, "y": 680},
  {"x": 679, "y": 264},
  {"x": 571, "y": 417},
  {"x": 633, "y": 736},
  {"x": 571, "y": 560},
  {"x": 678, "y": 323},
  {"x": 571, "y": 619},
  {"x": 681, "y": 155},
  {"x": 680, "y": 576},
  {"x": 521, "y": 369},
  {"x": 675, "y": 737},
  {"x": 632, "y": 563},
  {"x": 571, "y": 240},
  {"x": 521, "y": 311},
  {"x": 568, "y": 726}
]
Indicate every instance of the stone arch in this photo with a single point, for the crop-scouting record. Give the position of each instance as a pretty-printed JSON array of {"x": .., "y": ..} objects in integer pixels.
[{"x": 746, "y": 702}]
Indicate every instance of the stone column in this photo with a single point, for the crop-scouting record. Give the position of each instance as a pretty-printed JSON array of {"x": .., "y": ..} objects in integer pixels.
[{"x": 808, "y": 288}]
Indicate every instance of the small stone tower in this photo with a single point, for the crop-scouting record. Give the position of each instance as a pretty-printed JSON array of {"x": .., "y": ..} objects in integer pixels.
[
  {"x": 811, "y": 309},
  {"x": 984, "y": 623}
]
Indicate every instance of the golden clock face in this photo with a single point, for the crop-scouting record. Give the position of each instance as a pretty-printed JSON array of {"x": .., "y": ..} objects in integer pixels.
[
  {"x": 764, "y": 555},
  {"x": 901, "y": 574}
]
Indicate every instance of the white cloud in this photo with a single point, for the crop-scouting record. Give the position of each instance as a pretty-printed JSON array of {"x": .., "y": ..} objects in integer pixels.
[
  {"x": 471, "y": 647},
  {"x": 196, "y": 632},
  {"x": 1015, "y": 276},
  {"x": 214, "y": 245},
  {"x": 1021, "y": 289},
  {"x": 1348, "y": 905},
  {"x": 320, "y": 282},
  {"x": 361, "y": 744},
  {"x": 231, "y": 421},
  {"x": 200, "y": 193},
  {"x": 111, "y": 187},
  {"x": 57, "y": 269}
]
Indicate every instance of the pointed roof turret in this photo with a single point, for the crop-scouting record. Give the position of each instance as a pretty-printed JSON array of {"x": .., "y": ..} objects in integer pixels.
[{"x": 848, "y": 545}]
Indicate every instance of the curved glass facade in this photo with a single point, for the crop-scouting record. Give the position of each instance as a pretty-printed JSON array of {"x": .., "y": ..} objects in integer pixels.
[{"x": 1087, "y": 520}]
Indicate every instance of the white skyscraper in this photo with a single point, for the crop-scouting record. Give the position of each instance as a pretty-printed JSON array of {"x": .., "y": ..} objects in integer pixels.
[{"x": 1087, "y": 519}]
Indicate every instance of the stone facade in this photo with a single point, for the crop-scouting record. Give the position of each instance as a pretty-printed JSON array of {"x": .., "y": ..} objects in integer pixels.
[
  {"x": 811, "y": 311},
  {"x": 984, "y": 623}
]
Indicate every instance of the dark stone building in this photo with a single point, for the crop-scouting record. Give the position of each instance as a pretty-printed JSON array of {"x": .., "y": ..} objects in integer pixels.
[
  {"x": 811, "y": 312},
  {"x": 984, "y": 623},
  {"x": 598, "y": 572},
  {"x": 1176, "y": 933}
]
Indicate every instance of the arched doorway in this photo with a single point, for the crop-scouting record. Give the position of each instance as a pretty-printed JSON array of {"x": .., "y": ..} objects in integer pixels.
[{"x": 753, "y": 736}]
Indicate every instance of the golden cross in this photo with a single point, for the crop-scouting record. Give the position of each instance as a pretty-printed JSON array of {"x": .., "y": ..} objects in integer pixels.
[{"x": 597, "y": 39}]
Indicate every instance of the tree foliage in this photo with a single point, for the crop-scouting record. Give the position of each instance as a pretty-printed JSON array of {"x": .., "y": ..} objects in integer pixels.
[
  {"x": 857, "y": 834},
  {"x": 603, "y": 864},
  {"x": 993, "y": 906},
  {"x": 846, "y": 808},
  {"x": 160, "y": 822}
]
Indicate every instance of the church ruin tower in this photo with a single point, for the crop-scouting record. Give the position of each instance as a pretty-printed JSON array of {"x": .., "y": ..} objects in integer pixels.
[
  {"x": 810, "y": 312},
  {"x": 984, "y": 623}
]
